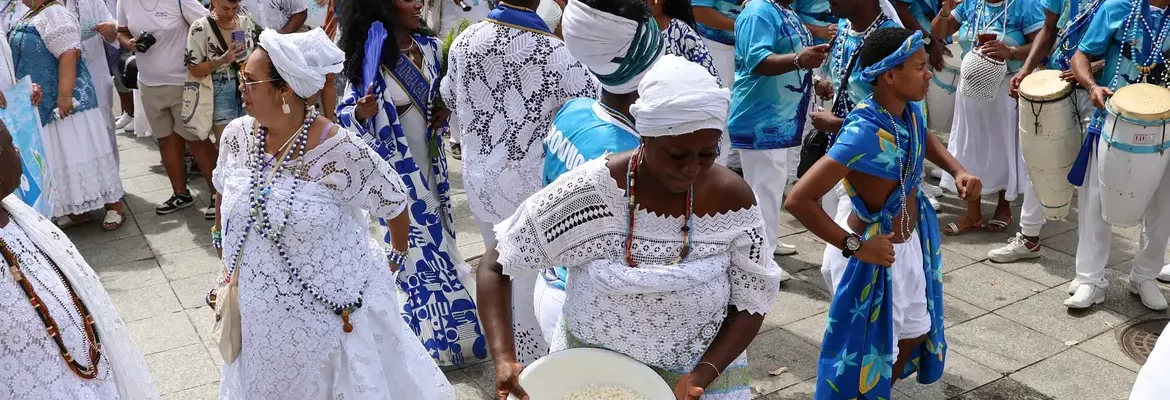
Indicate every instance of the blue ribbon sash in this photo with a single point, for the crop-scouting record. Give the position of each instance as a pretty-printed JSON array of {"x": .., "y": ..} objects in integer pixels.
[
  {"x": 519, "y": 18},
  {"x": 411, "y": 79}
]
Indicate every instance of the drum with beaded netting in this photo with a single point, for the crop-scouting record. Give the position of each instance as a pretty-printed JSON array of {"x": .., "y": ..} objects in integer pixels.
[
  {"x": 1050, "y": 136},
  {"x": 1132, "y": 152}
]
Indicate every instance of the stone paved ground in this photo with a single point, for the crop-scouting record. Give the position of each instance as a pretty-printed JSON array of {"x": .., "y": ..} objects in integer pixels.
[{"x": 1009, "y": 336}]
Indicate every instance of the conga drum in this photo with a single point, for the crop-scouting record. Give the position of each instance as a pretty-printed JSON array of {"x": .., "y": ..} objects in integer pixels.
[
  {"x": 940, "y": 99},
  {"x": 1131, "y": 154},
  {"x": 1050, "y": 135}
]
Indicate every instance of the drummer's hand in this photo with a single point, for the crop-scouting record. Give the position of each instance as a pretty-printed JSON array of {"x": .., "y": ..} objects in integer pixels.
[
  {"x": 688, "y": 387},
  {"x": 1019, "y": 77},
  {"x": 937, "y": 52},
  {"x": 1100, "y": 94},
  {"x": 508, "y": 380},
  {"x": 968, "y": 185},
  {"x": 996, "y": 49},
  {"x": 824, "y": 89}
]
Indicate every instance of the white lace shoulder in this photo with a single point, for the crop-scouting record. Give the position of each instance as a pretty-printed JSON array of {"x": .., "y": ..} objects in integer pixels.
[
  {"x": 58, "y": 28},
  {"x": 343, "y": 163}
]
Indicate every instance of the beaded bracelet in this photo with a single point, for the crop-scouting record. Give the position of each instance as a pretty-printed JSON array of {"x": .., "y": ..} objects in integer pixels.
[
  {"x": 396, "y": 257},
  {"x": 216, "y": 239}
]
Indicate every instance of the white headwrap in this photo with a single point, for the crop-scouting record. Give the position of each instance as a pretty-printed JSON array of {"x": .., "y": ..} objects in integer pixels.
[
  {"x": 303, "y": 59},
  {"x": 596, "y": 38},
  {"x": 679, "y": 97}
]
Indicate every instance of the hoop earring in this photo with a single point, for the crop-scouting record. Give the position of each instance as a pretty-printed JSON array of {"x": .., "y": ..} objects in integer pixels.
[{"x": 284, "y": 105}]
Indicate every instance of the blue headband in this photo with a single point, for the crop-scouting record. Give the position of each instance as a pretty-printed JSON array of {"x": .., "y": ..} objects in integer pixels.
[
  {"x": 907, "y": 49},
  {"x": 643, "y": 51}
]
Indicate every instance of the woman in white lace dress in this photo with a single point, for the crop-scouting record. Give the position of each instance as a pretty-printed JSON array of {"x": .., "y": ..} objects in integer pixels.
[
  {"x": 318, "y": 313},
  {"x": 41, "y": 266},
  {"x": 683, "y": 285},
  {"x": 46, "y": 45}
]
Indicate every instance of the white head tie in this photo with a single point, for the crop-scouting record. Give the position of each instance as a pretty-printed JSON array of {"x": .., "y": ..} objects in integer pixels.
[
  {"x": 600, "y": 41},
  {"x": 303, "y": 59},
  {"x": 679, "y": 97}
]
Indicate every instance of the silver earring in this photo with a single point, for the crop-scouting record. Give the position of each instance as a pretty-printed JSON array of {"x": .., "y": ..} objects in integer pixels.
[{"x": 284, "y": 106}]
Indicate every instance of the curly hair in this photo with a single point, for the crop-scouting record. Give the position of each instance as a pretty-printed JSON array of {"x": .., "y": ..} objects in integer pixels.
[{"x": 355, "y": 21}]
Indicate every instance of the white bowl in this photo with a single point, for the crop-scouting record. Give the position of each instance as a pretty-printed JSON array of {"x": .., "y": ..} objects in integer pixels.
[{"x": 567, "y": 371}]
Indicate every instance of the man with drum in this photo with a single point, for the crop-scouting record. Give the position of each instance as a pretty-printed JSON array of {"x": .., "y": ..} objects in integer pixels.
[
  {"x": 1074, "y": 17},
  {"x": 1117, "y": 33}
]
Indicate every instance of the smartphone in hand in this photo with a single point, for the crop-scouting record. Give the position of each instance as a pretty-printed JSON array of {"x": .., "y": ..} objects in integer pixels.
[{"x": 238, "y": 36}]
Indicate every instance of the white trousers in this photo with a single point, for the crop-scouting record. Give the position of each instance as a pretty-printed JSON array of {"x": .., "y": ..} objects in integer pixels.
[
  {"x": 724, "y": 58},
  {"x": 549, "y": 301},
  {"x": 766, "y": 171},
  {"x": 1153, "y": 381}
]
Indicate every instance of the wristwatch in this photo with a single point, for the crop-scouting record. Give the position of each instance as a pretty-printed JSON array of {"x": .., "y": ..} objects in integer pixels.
[{"x": 852, "y": 245}]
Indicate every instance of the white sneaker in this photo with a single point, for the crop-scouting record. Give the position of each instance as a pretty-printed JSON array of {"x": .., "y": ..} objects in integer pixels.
[
  {"x": 784, "y": 249},
  {"x": 1017, "y": 249},
  {"x": 1164, "y": 277},
  {"x": 784, "y": 276},
  {"x": 1085, "y": 297},
  {"x": 1152, "y": 298},
  {"x": 123, "y": 121}
]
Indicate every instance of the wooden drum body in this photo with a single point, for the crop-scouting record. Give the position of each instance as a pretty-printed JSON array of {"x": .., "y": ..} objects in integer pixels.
[
  {"x": 1131, "y": 154},
  {"x": 1050, "y": 136},
  {"x": 940, "y": 99}
]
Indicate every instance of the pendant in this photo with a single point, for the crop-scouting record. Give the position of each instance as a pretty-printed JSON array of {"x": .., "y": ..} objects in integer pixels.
[{"x": 345, "y": 325}]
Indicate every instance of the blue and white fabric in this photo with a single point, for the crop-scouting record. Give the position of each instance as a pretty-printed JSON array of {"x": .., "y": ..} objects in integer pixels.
[
  {"x": 1075, "y": 16},
  {"x": 846, "y": 46},
  {"x": 683, "y": 41},
  {"x": 730, "y": 9}
]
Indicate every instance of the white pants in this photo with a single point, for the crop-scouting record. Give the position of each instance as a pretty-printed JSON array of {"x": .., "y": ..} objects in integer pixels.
[
  {"x": 548, "y": 301},
  {"x": 766, "y": 171},
  {"x": 1032, "y": 212},
  {"x": 724, "y": 58},
  {"x": 1153, "y": 381}
]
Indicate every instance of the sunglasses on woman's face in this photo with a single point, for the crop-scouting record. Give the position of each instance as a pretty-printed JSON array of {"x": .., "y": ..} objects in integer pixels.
[{"x": 247, "y": 83}]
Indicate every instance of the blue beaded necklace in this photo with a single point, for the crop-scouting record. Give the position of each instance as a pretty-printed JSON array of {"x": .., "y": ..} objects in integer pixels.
[{"x": 1149, "y": 54}]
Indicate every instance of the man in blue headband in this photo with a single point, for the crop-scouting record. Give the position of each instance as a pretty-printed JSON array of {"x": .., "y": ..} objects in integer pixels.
[
  {"x": 886, "y": 318},
  {"x": 774, "y": 59}
]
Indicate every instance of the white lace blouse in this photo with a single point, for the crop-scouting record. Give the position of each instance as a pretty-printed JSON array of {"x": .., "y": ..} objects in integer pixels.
[{"x": 663, "y": 315}]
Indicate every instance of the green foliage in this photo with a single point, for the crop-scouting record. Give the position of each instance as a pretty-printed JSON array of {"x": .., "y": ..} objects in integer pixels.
[{"x": 445, "y": 48}]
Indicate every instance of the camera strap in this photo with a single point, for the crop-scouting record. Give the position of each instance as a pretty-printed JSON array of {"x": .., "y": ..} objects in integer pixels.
[{"x": 222, "y": 42}]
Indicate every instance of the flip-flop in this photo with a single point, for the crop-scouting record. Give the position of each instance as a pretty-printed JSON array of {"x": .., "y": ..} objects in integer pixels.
[
  {"x": 112, "y": 221},
  {"x": 953, "y": 229},
  {"x": 65, "y": 221}
]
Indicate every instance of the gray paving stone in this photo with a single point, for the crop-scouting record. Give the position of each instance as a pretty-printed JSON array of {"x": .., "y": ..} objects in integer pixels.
[
  {"x": 953, "y": 260},
  {"x": 91, "y": 233},
  {"x": 164, "y": 332},
  {"x": 193, "y": 233},
  {"x": 146, "y": 202},
  {"x": 800, "y": 391},
  {"x": 811, "y": 329},
  {"x": 1105, "y": 346},
  {"x": 960, "y": 375},
  {"x": 1082, "y": 376},
  {"x": 797, "y": 300},
  {"x": 813, "y": 277},
  {"x": 192, "y": 291},
  {"x": 146, "y": 183},
  {"x": 188, "y": 263},
  {"x": 1004, "y": 389},
  {"x": 466, "y": 388},
  {"x": 482, "y": 375},
  {"x": 206, "y": 392},
  {"x": 465, "y": 225},
  {"x": 115, "y": 252},
  {"x": 1047, "y": 314},
  {"x": 1118, "y": 298},
  {"x": 182, "y": 368},
  {"x": 779, "y": 348},
  {"x": 469, "y": 250},
  {"x": 810, "y": 251},
  {"x": 789, "y": 225},
  {"x": 1051, "y": 269},
  {"x": 130, "y": 276},
  {"x": 1000, "y": 344},
  {"x": 956, "y": 311},
  {"x": 202, "y": 319},
  {"x": 974, "y": 244},
  {"x": 145, "y": 302},
  {"x": 1121, "y": 248},
  {"x": 988, "y": 287}
]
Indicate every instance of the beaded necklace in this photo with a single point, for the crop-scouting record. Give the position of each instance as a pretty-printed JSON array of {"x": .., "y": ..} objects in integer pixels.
[
  {"x": 92, "y": 341},
  {"x": 617, "y": 115},
  {"x": 842, "y": 104},
  {"x": 1149, "y": 55},
  {"x": 631, "y": 173},
  {"x": 1065, "y": 40},
  {"x": 904, "y": 165},
  {"x": 981, "y": 26}
]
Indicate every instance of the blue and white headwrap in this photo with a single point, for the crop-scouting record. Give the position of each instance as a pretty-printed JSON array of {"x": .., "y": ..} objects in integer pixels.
[
  {"x": 907, "y": 49},
  {"x": 617, "y": 50}
]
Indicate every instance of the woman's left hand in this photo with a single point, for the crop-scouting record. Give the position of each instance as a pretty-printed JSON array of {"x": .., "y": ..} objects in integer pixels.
[
  {"x": 65, "y": 105},
  {"x": 107, "y": 29},
  {"x": 688, "y": 388},
  {"x": 440, "y": 118},
  {"x": 37, "y": 94},
  {"x": 996, "y": 49}
]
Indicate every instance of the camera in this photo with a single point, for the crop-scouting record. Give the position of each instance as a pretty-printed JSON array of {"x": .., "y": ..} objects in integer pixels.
[{"x": 144, "y": 41}]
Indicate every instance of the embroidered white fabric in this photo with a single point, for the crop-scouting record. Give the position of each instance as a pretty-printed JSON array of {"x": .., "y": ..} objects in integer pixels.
[
  {"x": 661, "y": 314},
  {"x": 58, "y": 28},
  {"x": 293, "y": 344},
  {"x": 506, "y": 84},
  {"x": 30, "y": 364}
]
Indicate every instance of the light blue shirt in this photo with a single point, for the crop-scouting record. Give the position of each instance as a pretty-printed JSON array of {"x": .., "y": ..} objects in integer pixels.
[
  {"x": 730, "y": 9},
  {"x": 1105, "y": 38},
  {"x": 1067, "y": 10},
  {"x": 1023, "y": 17},
  {"x": 925, "y": 10},
  {"x": 582, "y": 131},
  {"x": 814, "y": 12},
  {"x": 768, "y": 112}
]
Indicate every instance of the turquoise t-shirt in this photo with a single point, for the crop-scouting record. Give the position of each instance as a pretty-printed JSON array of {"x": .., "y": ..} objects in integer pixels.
[
  {"x": 1021, "y": 18},
  {"x": 1068, "y": 9},
  {"x": 925, "y": 10},
  {"x": 730, "y": 9},
  {"x": 1105, "y": 37},
  {"x": 814, "y": 12},
  {"x": 846, "y": 46},
  {"x": 768, "y": 112}
]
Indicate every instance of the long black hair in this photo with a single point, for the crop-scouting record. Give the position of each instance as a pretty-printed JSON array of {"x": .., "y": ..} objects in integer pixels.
[
  {"x": 680, "y": 10},
  {"x": 355, "y": 21}
]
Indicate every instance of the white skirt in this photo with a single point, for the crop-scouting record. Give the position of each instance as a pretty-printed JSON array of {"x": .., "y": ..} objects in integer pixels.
[
  {"x": 985, "y": 139},
  {"x": 84, "y": 163}
]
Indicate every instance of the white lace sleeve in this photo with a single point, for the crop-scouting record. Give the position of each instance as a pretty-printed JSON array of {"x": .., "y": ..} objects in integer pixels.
[
  {"x": 567, "y": 223},
  {"x": 233, "y": 148},
  {"x": 359, "y": 176},
  {"x": 755, "y": 277},
  {"x": 59, "y": 29}
]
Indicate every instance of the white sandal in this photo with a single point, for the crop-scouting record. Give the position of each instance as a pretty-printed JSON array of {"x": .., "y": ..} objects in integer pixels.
[
  {"x": 65, "y": 221},
  {"x": 112, "y": 221}
]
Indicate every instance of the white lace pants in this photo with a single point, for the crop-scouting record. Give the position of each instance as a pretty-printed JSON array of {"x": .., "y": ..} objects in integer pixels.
[{"x": 766, "y": 171}]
